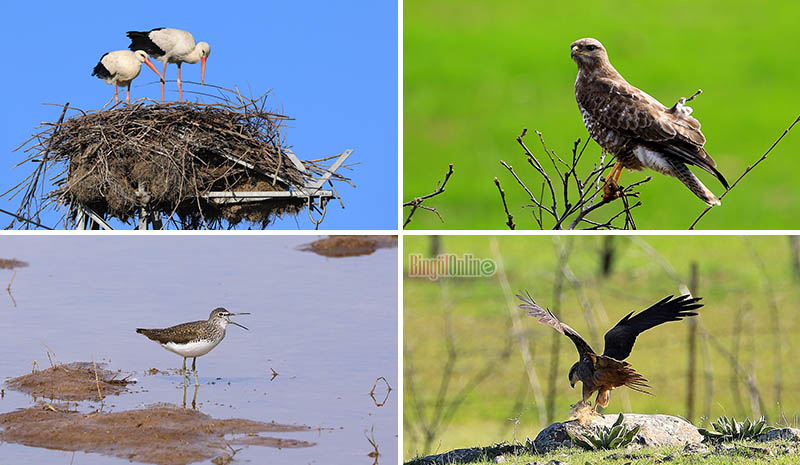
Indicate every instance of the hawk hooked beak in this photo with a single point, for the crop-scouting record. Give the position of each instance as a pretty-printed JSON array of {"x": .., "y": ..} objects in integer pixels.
[
  {"x": 576, "y": 52},
  {"x": 572, "y": 384}
]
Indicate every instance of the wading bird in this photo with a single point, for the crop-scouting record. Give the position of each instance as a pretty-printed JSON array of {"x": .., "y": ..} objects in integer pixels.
[
  {"x": 171, "y": 46},
  {"x": 602, "y": 373},
  {"x": 193, "y": 339},
  {"x": 636, "y": 128},
  {"x": 120, "y": 68}
]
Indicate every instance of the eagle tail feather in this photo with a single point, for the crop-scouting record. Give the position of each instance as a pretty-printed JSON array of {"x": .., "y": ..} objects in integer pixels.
[{"x": 685, "y": 175}]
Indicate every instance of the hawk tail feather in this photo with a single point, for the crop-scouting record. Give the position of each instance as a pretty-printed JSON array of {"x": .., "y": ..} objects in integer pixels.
[
  {"x": 636, "y": 381},
  {"x": 685, "y": 175}
]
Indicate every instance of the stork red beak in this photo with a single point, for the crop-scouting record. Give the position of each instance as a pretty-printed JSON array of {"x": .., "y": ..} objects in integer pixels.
[
  {"x": 150, "y": 64},
  {"x": 202, "y": 69}
]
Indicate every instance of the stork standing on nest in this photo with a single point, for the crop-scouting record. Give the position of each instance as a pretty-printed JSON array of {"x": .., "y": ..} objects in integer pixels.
[
  {"x": 171, "y": 46},
  {"x": 120, "y": 68}
]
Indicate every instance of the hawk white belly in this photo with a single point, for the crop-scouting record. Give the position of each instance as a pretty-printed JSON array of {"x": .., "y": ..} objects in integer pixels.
[{"x": 653, "y": 160}]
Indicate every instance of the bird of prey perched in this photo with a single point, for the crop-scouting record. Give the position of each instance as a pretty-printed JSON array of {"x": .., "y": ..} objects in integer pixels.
[
  {"x": 636, "y": 128},
  {"x": 602, "y": 373}
]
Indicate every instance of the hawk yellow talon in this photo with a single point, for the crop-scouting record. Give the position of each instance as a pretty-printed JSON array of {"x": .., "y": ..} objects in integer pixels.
[{"x": 611, "y": 191}]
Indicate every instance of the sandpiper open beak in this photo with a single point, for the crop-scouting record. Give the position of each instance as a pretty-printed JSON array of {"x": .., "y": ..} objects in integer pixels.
[{"x": 235, "y": 323}]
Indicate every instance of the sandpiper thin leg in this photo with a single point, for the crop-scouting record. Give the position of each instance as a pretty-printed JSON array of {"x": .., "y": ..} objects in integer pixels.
[{"x": 194, "y": 369}]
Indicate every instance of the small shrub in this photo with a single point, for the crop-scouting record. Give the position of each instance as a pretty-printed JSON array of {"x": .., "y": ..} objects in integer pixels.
[
  {"x": 615, "y": 437},
  {"x": 728, "y": 429}
]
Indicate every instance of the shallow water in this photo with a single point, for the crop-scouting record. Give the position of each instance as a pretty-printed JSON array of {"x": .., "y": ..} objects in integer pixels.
[{"x": 327, "y": 326}]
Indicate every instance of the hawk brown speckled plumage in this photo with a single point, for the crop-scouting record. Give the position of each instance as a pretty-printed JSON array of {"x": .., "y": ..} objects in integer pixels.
[
  {"x": 636, "y": 128},
  {"x": 602, "y": 373}
]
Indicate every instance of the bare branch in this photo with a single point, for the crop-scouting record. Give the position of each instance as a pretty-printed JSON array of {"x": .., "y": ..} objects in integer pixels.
[
  {"x": 747, "y": 170},
  {"x": 417, "y": 202},
  {"x": 510, "y": 221},
  {"x": 558, "y": 205}
]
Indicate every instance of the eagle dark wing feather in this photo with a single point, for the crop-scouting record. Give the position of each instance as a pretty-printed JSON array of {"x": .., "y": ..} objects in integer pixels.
[
  {"x": 620, "y": 338},
  {"x": 640, "y": 117},
  {"x": 547, "y": 317}
]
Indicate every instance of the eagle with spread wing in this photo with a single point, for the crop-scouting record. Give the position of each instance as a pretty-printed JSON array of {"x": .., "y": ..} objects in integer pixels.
[
  {"x": 636, "y": 128},
  {"x": 602, "y": 373}
]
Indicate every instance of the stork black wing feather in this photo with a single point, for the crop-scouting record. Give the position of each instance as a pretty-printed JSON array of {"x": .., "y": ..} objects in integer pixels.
[
  {"x": 140, "y": 40},
  {"x": 620, "y": 338}
]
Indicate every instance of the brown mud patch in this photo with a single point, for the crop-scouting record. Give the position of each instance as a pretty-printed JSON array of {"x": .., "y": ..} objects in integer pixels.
[
  {"x": 161, "y": 433},
  {"x": 349, "y": 246},
  {"x": 73, "y": 381},
  {"x": 11, "y": 263}
]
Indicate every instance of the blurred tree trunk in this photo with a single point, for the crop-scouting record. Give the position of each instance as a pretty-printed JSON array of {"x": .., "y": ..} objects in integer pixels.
[
  {"x": 436, "y": 245},
  {"x": 692, "y": 351},
  {"x": 607, "y": 256}
]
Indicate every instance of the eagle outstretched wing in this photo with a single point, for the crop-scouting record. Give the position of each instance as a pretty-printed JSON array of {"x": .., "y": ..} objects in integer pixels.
[
  {"x": 547, "y": 317},
  {"x": 620, "y": 338}
]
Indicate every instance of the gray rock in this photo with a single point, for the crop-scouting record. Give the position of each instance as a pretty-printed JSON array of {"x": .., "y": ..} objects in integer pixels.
[
  {"x": 785, "y": 434},
  {"x": 496, "y": 453},
  {"x": 656, "y": 431}
]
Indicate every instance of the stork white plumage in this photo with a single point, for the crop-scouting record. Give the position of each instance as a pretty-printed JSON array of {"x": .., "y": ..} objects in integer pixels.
[
  {"x": 120, "y": 68},
  {"x": 171, "y": 46}
]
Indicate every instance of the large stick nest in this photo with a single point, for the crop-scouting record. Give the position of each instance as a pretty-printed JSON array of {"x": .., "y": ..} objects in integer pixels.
[{"x": 165, "y": 158}]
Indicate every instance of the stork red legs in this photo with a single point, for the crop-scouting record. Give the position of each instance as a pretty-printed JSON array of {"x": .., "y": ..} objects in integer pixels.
[
  {"x": 171, "y": 46},
  {"x": 120, "y": 68}
]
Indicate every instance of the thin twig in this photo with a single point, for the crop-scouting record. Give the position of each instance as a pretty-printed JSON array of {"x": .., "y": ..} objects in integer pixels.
[
  {"x": 558, "y": 205},
  {"x": 747, "y": 170},
  {"x": 417, "y": 202},
  {"x": 97, "y": 383},
  {"x": 510, "y": 222}
]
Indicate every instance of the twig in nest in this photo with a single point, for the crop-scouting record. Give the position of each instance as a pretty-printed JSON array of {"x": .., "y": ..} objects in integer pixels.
[
  {"x": 747, "y": 170},
  {"x": 417, "y": 202},
  {"x": 510, "y": 222}
]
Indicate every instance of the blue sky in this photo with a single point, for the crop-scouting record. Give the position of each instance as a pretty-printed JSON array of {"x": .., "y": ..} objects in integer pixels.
[{"x": 332, "y": 66}]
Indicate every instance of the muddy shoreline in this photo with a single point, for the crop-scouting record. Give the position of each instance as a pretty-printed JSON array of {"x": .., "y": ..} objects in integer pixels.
[{"x": 159, "y": 433}]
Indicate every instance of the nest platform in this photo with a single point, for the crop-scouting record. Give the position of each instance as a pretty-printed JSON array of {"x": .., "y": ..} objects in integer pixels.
[{"x": 194, "y": 165}]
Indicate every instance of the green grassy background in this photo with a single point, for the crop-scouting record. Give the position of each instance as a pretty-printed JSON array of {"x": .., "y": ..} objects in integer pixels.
[
  {"x": 477, "y": 72},
  {"x": 731, "y": 282}
]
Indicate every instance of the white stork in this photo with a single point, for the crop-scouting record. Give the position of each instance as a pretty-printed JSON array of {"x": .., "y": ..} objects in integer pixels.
[
  {"x": 120, "y": 68},
  {"x": 171, "y": 46}
]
